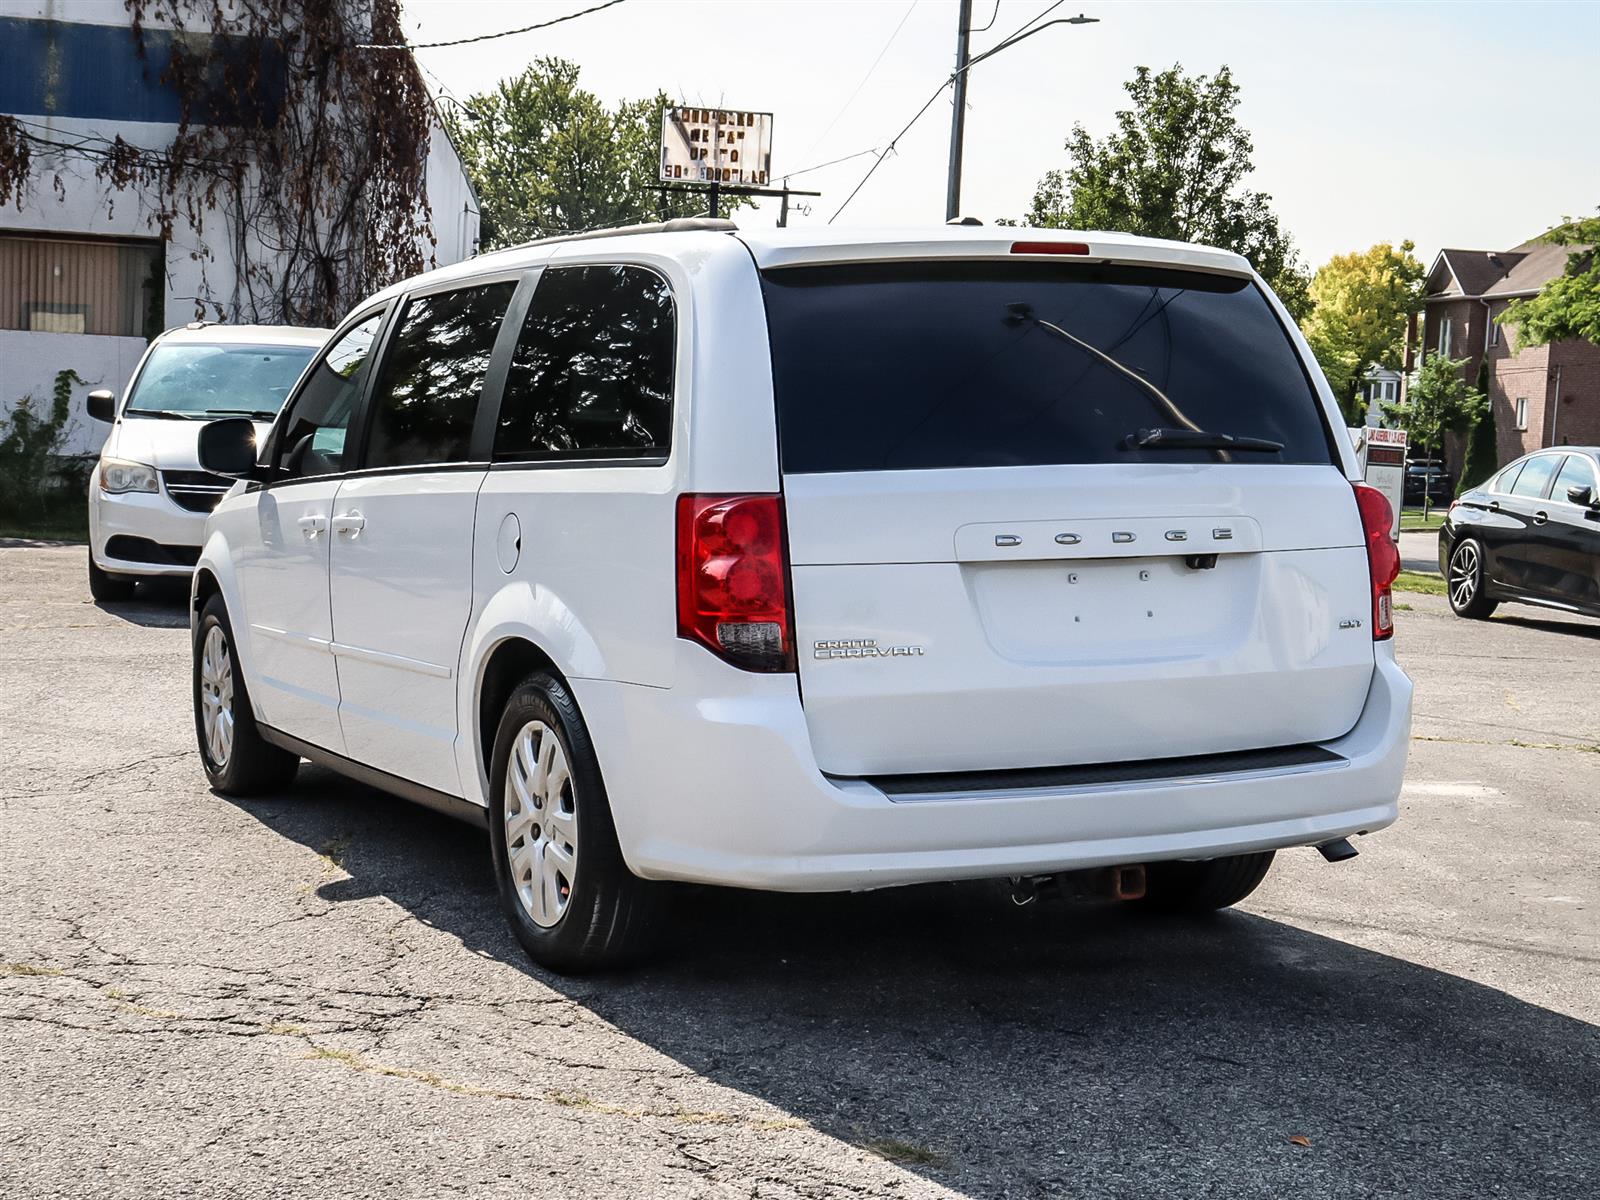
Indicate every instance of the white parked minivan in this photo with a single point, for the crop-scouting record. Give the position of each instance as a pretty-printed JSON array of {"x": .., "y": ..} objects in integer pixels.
[
  {"x": 811, "y": 560},
  {"x": 148, "y": 497}
]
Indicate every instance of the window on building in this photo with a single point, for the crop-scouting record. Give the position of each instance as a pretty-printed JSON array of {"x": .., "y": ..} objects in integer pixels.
[
  {"x": 426, "y": 399},
  {"x": 1494, "y": 334},
  {"x": 1522, "y": 413},
  {"x": 592, "y": 373},
  {"x": 1444, "y": 337},
  {"x": 62, "y": 285}
]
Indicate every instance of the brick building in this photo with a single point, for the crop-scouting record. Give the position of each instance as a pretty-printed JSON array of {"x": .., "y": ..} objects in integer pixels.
[{"x": 1542, "y": 396}]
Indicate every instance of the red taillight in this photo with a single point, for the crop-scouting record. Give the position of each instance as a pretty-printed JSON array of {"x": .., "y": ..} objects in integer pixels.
[
  {"x": 1383, "y": 556},
  {"x": 1049, "y": 248},
  {"x": 733, "y": 579}
]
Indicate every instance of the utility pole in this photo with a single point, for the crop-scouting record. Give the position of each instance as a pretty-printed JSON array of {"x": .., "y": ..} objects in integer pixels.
[{"x": 958, "y": 117}]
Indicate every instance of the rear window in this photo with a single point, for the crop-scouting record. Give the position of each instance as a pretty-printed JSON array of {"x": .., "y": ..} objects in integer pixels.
[{"x": 918, "y": 366}]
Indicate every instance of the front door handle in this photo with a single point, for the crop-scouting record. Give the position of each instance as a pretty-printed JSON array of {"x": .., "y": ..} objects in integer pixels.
[
  {"x": 314, "y": 524},
  {"x": 1540, "y": 517},
  {"x": 351, "y": 522}
]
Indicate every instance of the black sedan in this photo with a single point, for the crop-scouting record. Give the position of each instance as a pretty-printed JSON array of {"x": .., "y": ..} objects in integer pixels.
[{"x": 1532, "y": 534}]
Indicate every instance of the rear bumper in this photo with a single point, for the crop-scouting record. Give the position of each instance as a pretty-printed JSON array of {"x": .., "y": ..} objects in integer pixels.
[
  {"x": 713, "y": 781},
  {"x": 167, "y": 532}
]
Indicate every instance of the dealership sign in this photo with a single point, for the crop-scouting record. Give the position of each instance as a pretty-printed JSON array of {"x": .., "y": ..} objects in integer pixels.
[{"x": 716, "y": 145}]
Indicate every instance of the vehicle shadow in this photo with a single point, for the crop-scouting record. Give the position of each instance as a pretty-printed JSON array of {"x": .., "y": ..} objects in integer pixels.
[
  {"x": 156, "y": 604},
  {"x": 1051, "y": 1050},
  {"x": 1575, "y": 625}
]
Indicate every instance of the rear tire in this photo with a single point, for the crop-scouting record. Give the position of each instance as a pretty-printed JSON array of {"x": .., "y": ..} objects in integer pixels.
[
  {"x": 564, "y": 887},
  {"x": 1464, "y": 584},
  {"x": 1201, "y": 887},
  {"x": 237, "y": 761},
  {"x": 107, "y": 588}
]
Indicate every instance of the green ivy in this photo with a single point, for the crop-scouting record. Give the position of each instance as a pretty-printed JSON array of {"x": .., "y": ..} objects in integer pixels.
[{"x": 30, "y": 444}]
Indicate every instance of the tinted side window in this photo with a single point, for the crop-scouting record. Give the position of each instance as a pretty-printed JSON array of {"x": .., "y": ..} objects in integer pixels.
[
  {"x": 314, "y": 436},
  {"x": 592, "y": 373},
  {"x": 1536, "y": 473},
  {"x": 426, "y": 398},
  {"x": 1504, "y": 481},
  {"x": 1575, "y": 472}
]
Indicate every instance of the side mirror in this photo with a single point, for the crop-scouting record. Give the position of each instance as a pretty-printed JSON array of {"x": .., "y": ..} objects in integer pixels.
[
  {"x": 228, "y": 447},
  {"x": 1580, "y": 495},
  {"x": 102, "y": 404}
]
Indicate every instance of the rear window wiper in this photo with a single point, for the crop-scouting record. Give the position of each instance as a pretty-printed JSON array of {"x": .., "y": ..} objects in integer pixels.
[{"x": 1196, "y": 439}]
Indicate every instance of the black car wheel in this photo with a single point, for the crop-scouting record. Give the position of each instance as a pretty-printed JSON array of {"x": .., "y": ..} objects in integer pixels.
[{"x": 1464, "y": 583}]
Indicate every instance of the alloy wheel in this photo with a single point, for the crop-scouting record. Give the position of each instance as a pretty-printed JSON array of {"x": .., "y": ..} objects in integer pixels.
[
  {"x": 541, "y": 824},
  {"x": 216, "y": 695},
  {"x": 1464, "y": 566}
]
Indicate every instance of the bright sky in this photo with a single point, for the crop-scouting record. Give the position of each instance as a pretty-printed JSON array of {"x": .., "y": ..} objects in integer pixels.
[{"x": 1456, "y": 124}]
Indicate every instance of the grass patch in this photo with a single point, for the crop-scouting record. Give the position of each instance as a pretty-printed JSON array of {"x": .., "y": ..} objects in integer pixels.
[
  {"x": 59, "y": 519},
  {"x": 29, "y": 970},
  {"x": 1412, "y": 519},
  {"x": 1416, "y": 581},
  {"x": 896, "y": 1151}
]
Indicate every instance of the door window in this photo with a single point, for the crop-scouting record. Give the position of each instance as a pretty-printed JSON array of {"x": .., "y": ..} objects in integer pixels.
[
  {"x": 1506, "y": 480},
  {"x": 591, "y": 376},
  {"x": 319, "y": 416},
  {"x": 426, "y": 398},
  {"x": 1575, "y": 472},
  {"x": 1536, "y": 473}
]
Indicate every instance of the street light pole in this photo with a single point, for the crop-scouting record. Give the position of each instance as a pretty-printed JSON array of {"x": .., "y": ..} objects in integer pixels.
[
  {"x": 958, "y": 115},
  {"x": 964, "y": 64}
]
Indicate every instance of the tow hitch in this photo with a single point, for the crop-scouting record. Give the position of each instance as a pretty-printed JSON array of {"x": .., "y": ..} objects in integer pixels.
[{"x": 1106, "y": 883}]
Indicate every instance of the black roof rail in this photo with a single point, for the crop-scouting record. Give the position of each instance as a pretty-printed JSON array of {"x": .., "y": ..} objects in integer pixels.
[{"x": 676, "y": 225}]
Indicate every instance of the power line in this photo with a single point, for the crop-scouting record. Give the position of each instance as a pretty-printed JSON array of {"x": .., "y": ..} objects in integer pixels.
[
  {"x": 830, "y": 163},
  {"x": 904, "y": 17},
  {"x": 887, "y": 150},
  {"x": 487, "y": 37}
]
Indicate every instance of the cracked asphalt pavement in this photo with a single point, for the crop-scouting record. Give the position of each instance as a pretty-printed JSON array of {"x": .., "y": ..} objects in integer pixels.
[{"x": 313, "y": 994}]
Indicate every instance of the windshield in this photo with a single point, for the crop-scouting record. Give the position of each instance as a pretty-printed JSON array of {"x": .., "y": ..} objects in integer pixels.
[
  {"x": 200, "y": 381},
  {"x": 927, "y": 365}
]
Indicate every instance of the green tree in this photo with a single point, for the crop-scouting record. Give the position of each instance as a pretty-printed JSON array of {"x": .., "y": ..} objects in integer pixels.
[
  {"x": 547, "y": 157},
  {"x": 1483, "y": 448},
  {"x": 1174, "y": 168},
  {"x": 1438, "y": 400},
  {"x": 1569, "y": 305},
  {"x": 1362, "y": 301}
]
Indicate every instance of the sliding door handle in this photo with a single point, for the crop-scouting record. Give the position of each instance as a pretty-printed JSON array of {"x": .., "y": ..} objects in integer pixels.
[{"x": 351, "y": 522}]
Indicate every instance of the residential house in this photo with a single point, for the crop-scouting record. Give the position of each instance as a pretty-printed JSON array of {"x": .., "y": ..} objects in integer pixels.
[
  {"x": 1379, "y": 386},
  {"x": 1542, "y": 396}
]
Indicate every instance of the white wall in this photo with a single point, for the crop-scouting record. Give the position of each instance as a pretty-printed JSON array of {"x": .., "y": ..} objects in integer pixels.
[
  {"x": 201, "y": 272},
  {"x": 29, "y": 363}
]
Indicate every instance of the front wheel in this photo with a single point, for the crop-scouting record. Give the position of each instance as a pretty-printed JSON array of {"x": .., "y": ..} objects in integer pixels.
[
  {"x": 1198, "y": 887},
  {"x": 1465, "y": 584},
  {"x": 564, "y": 887},
  {"x": 237, "y": 760},
  {"x": 106, "y": 588}
]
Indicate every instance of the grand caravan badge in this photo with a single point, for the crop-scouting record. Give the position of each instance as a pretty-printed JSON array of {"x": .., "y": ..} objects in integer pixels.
[{"x": 862, "y": 648}]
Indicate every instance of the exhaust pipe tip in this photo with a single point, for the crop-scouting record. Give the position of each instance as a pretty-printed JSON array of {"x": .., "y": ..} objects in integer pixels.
[{"x": 1337, "y": 850}]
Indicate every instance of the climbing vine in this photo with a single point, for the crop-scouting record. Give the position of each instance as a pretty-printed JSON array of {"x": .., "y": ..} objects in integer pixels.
[{"x": 302, "y": 149}]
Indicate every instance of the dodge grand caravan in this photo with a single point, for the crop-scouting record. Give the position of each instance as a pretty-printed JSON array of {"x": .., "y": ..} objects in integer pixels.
[
  {"x": 809, "y": 560},
  {"x": 148, "y": 498}
]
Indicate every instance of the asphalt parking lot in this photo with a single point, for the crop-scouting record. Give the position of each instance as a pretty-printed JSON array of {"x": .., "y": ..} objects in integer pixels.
[{"x": 313, "y": 995}]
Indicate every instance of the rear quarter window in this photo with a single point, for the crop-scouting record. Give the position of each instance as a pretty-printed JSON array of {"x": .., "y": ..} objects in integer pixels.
[{"x": 908, "y": 366}]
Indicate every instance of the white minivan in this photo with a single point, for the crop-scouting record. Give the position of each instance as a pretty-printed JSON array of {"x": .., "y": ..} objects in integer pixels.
[
  {"x": 148, "y": 497},
  {"x": 812, "y": 560}
]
